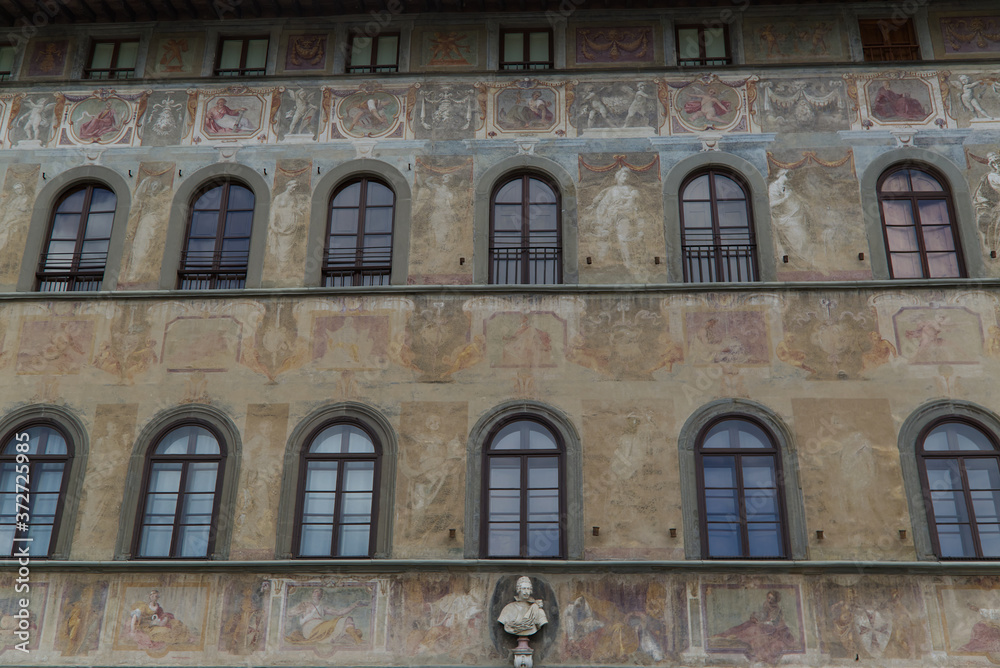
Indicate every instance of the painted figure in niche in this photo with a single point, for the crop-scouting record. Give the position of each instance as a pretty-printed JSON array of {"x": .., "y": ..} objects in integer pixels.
[
  {"x": 447, "y": 619},
  {"x": 788, "y": 219},
  {"x": 151, "y": 197},
  {"x": 36, "y": 119},
  {"x": 244, "y": 629},
  {"x": 987, "y": 203},
  {"x": 768, "y": 37},
  {"x": 302, "y": 112},
  {"x": 969, "y": 98},
  {"x": 449, "y": 48},
  {"x": 524, "y": 615},
  {"x": 15, "y": 210},
  {"x": 165, "y": 119},
  {"x": 104, "y": 123},
  {"x": 80, "y": 618},
  {"x": 152, "y": 627},
  {"x": 172, "y": 57},
  {"x": 642, "y": 103},
  {"x": 765, "y": 635},
  {"x": 705, "y": 106},
  {"x": 318, "y": 622},
  {"x": 217, "y": 119},
  {"x": 889, "y": 105},
  {"x": 288, "y": 222},
  {"x": 616, "y": 208},
  {"x": 985, "y": 636}
]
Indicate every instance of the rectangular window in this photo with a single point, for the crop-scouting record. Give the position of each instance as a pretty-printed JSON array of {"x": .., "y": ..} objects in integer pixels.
[
  {"x": 6, "y": 61},
  {"x": 888, "y": 39},
  {"x": 112, "y": 59},
  {"x": 241, "y": 56},
  {"x": 529, "y": 49},
  {"x": 701, "y": 46},
  {"x": 374, "y": 54}
]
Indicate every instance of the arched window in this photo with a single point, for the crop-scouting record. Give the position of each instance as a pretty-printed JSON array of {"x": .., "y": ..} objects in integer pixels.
[
  {"x": 76, "y": 252},
  {"x": 524, "y": 503},
  {"x": 525, "y": 232},
  {"x": 359, "y": 234},
  {"x": 34, "y": 474},
  {"x": 717, "y": 233},
  {"x": 740, "y": 503},
  {"x": 960, "y": 470},
  {"x": 180, "y": 495},
  {"x": 217, "y": 245},
  {"x": 918, "y": 225},
  {"x": 338, "y": 493}
]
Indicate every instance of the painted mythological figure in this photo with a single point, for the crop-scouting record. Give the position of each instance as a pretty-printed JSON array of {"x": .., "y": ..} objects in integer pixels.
[
  {"x": 765, "y": 634},
  {"x": 319, "y": 622},
  {"x": 987, "y": 202}
]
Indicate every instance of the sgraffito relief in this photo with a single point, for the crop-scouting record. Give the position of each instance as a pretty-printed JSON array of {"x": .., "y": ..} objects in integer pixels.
[
  {"x": 762, "y": 622},
  {"x": 801, "y": 105},
  {"x": 615, "y": 621},
  {"x": 10, "y": 622},
  {"x": 57, "y": 346},
  {"x": 175, "y": 55},
  {"x": 614, "y": 45},
  {"x": 808, "y": 195},
  {"x": 612, "y": 105},
  {"x": 971, "y": 98},
  {"x": 288, "y": 228},
  {"x": 81, "y": 616},
  {"x": 971, "y": 619},
  {"x": 163, "y": 123},
  {"x": 147, "y": 224},
  {"x": 245, "y": 609},
  {"x": 431, "y": 487},
  {"x": 17, "y": 199},
  {"x": 444, "y": 111},
  {"x": 326, "y": 619},
  {"x": 620, "y": 198},
  {"x": 34, "y": 120},
  {"x": 442, "y": 204},
  {"x": 874, "y": 622},
  {"x": 298, "y": 116},
  {"x": 816, "y": 40},
  {"x": 159, "y": 619},
  {"x": 306, "y": 52}
]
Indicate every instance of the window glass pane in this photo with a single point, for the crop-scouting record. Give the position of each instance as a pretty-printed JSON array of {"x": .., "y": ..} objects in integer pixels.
[
  {"x": 354, "y": 540},
  {"x": 349, "y": 196},
  {"x": 359, "y": 476},
  {"x": 902, "y": 238},
  {"x": 733, "y": 215},
  {"x": 44, "y": 507},
  {"x": 65, "y": 226},
  {"x": 934, "y": 212},
  {"x": 989, "y": 540},
  {"x": 539, "y": 438},
  {"x": 240, "y": 198},
  {"x": 543, "y": 540},
  {"x": 316, "y": 540},
  {"x": 238, "y": 224},
  {"x": 127, "y": 52},
  {"x": 513, "y": 47},
  {"x": 40, "y": 534},
  {"x": 543, "y": 505},
  {"x": 55, "y": 444},
  {"x": 504, "y": 540},
  {"x": 6, "y": 65},
  {"x": 715, "y": 43},
  {"x": 898, "y": 182},
  {"x": 6, "y": 539},
  {"x": 210, "y": 200},
  {"x": 543, "y": 218},
  {"x": 543, "y": 472},
  {"x": 897, "y": 212},
  {"x": 764, "y": 540},
  {"x": 986, "y": 506},
  {"x": 505, "y": 505},
  {"x": 762, "y": 505},
  {"x": 361, "y": 52},
  {"x": 164, "y": 477},
  {"x": 721, "y": 505},
  {"x": 232, "y": 50},
  {"x": 201, "y": 476},
  {"x": 155, "y": 541},
  {"x": 378, "y": 195},
  {"x": 982, "y": 473},
  {"x": 752, "y": 436},
  {"x": 102, "y": 55},
  {"x": 507, "y": 218},
  {"x": 192, "y": 541},
  {"x": 321, "y": 475},
  {"x": 968, "y": 437},
  {"x": 719, "y": 471},
  {"x": 344, "y": 221},
  {"x": 102, "y": 200},
  {"x": 509, "y": 193},
  {"x": 197, "y": 509},
  {"x": 943, "y": 265},
  {"x": 319, "y": 507},
  {"x": 47, "y": 477},
  {"x": 99, "y": 226},
  {"x": 176, "y": 442},
  {"x": 378, "y": 221},
  {"x": 924, "y": 182},
  {"x": 697, "y": 216},
  {"x": 687, "y": 43},
  {"x": 906, "y": 265},
  {"x": 758, "y": 472},
  {"x": 949, "y": 507},
  {"x": 388, "y": 47},
  {"x": 539, "y": 192},
  {"x": 356, "y": 507},
  {"x": 943, "y": 474},
  {"x": 538, "y": 47},
  {"x": 359, "y": 441},
  {"x": 727, "y": 188},
  {"x": 257, "y": 54},
  {"x": 723, "y": 540},
  {"x": 955, "y": 540},
  {"x": 505, "y": 472},
  {"x": 697, "y": 189}
]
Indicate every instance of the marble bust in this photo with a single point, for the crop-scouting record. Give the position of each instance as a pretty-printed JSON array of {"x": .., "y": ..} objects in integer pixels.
[{"x": 524, "y": 615}]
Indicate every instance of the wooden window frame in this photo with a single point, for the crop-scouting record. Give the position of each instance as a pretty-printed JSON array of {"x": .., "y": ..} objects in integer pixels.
[
  {"x": 526, "y": 63},
  {"x": 885, "y": 50},
  {"x": 184, "y": 460},
  {"x": 961, "y": 456},
  {"x": 775, "y": 452},
  {"x": 702, "y": 60},
  {"x": 362, "y": 268},
  {"x": 551, "y": 253},
  {"x": 7, "y": 75},
  {"x": 914, "y": 197},
  {"x": 218, "y": 271},
  {"x": 113, "y": 70},
  {"x": 341, "y": 458},
  {"x": 372, "y": 67},
  {"x": 33, "y": 461},
  {"x": 76, "y": 279},
  {"x": 719, "y": 265},
  {"x": 242, "y": 70},
  {"x": 524, "y": 454}
]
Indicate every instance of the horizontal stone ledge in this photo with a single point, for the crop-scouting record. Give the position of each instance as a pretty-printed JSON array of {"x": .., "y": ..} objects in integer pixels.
[{"x": 392, "y": 566}]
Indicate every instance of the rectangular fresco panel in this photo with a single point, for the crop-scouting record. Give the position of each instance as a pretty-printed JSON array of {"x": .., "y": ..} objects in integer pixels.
[
  {"x": 325, "y": 619},
  {"x": 819, "y": 39},
  {"x": 615, "y": 45},
  {"x": 761, "y": 622},
  {"x": 970, "y": 34}
]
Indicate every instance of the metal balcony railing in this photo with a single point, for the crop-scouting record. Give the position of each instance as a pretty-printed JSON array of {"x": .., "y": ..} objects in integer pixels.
[
  {"x": 713, "y": 263},
  {"x": 366, "y": 266},
  {"x": 213, "y": 270},
  {"x": 71, "y": 272},
  {"x": 531, "y": 265}
]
